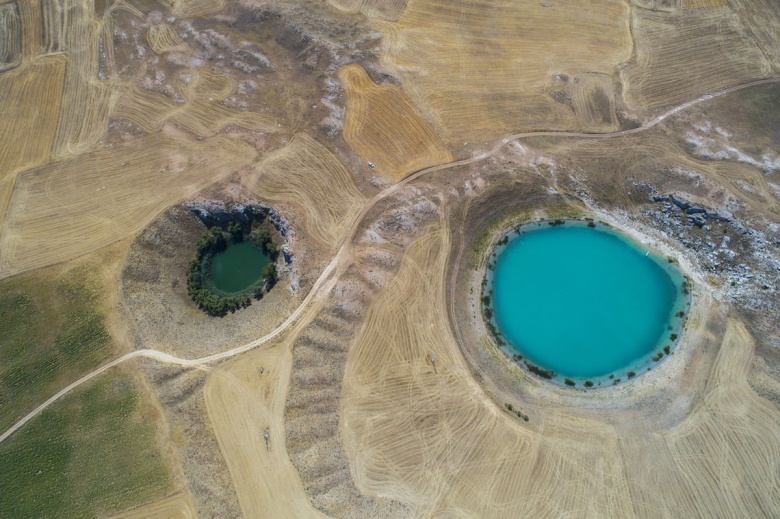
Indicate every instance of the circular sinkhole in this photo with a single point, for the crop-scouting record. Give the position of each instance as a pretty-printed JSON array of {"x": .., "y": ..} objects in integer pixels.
[{"x": 581, "y": 305}]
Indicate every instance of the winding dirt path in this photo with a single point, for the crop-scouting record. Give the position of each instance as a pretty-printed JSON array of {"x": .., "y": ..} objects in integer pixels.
[{"x": 330, "y": 275}]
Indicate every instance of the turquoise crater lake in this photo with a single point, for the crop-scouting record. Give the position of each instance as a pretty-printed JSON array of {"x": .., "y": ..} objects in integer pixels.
[
  {"x": 584, "y": 303},
  {"x": 238, "y": 267}
]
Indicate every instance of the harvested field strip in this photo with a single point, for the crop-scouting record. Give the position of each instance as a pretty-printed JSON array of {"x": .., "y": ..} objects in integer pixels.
[
  {"x": 68, "y": 208},
  {"x": 31, "y": 20},
  {"x": 702, "y": 4},
  {"x": 761, "y": 18},
  {"x": 10, "y": 36},
  {"x": 194, "y": 8},
  {"x": 593, "y": 101},
  {"x": 163, "y": 38},
  {"x": 473, "y": 68},
  {"x": 382, "y": 9},
  {"x": 308, "y": 176},
  {"x": 672, "y": 48},
  {"x": 433, "y": 440},
  {"x": 86, "y": 100},
  {"x": 29, "y": 106},
  {"x": 242, "y": 403},
  {"x": 383, "y": 127},
  {"x": 178, "y": 506},
  {"x": 201, "y": 113}
]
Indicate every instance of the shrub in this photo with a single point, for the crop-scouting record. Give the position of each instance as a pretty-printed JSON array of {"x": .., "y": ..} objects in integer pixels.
[
  {"x": 667, "y": 349},
  {"x": 569, "y": 382},
  {"x": 616, "y": 382},
  {"x": 509, "y": 406},
  {"x": 591, "y": 224},
  {"x": 631, "y": 374},
  {"x": 658, "y": 357},
  {"x": 588, "y": 383},
  {"x": 536, "y": 370}
]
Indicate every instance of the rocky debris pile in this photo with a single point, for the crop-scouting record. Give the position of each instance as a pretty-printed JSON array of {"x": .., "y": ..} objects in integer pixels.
[
  {"x": 214, "y": 213},
  {"x": 743, "y": 260}
]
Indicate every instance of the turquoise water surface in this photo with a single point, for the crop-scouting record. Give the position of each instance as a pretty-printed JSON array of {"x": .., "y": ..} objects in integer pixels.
[
  {"x": 238, "y": 267},
  {"x": 584, "y": 302}
]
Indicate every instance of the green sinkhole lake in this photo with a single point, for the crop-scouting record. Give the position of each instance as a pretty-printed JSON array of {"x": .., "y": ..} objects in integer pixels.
[
  {"x": 238, "y": 267},
  {"x": 585, "y": 303}
]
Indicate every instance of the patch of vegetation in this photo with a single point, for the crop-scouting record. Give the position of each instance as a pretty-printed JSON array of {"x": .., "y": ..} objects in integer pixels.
[
  {"x": 199, "y": 286},
  {"x": 536, "y": 370},
  {"x": 658, "y": 357},
  {"x": 588, "y": 383},
  {"x": 91, "y": 454},
  {"x": 685, "y": 287},
  {"x": 680, "y": 314},
  {"x": 519, "y": 413},
  {"x": 631, "y": 374},
  {"x": 616, "y": 382},
  {"x": 51, "y": 331},
  {"x": 569, "y": 382},
  {"x": 479, "y": 255},
  {"x": 591, "y": 224},
  {"x": 673, "y": 337},
  {"x": 667, "y": 349},
  {"x": 556, "y": 223}
]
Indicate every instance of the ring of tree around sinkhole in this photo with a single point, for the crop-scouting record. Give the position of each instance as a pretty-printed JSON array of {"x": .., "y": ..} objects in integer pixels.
[
  {"x": 201, "y": 287},
  {"x": 545, "y": 288}
]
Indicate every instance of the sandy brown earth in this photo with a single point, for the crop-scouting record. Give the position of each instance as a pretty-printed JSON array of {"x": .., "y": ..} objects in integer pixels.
[{"x": 140, "y": 106}]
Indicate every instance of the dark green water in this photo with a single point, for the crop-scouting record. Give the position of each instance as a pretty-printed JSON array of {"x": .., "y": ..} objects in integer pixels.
[
  {"x": 238, "y": 267},
  {"x": 585, "y": 303}
]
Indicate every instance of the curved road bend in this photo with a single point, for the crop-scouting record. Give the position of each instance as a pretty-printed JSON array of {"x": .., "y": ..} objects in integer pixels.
[{"x": 326, "y": 281}]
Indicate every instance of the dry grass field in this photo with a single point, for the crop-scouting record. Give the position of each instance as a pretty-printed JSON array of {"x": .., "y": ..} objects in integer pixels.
[
  {"x": 682, "y": 55},
  {"x": 384, "y": 128},
  {"x": 382, "y": 9},
  {"x": 243, "y": 402},
  {"x": 68, "y": 208},
  {"x": 593, "y": 100},
  {"x": 310, "y": 178},
  {"x": 11, "y": 37},
  {"x": 164, "y": 38},
  {"x": 29, "y": 105},
  {"x": 702, "y": 4},
  {"x": 761, "y": 19},
  {"x": 201, "y": 111},
  {"x": 433, "y": 439},
  {"x": 479, "y": 70},
  {"x": 178, "y": 506}
]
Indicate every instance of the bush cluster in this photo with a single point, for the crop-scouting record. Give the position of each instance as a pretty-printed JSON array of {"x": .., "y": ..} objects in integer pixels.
[
  {"x": 536, "y": 370},
  {"x": 199, "y": 286}
]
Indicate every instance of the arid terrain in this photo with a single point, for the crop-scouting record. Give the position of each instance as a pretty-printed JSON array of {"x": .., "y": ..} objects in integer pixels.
[{"x": 389, "y": 144}]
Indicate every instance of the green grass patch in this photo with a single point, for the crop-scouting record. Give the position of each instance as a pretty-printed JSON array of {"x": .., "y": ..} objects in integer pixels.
[
  {"x": 52, "y": 330},
  {"x": 88, "y": 455}
]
